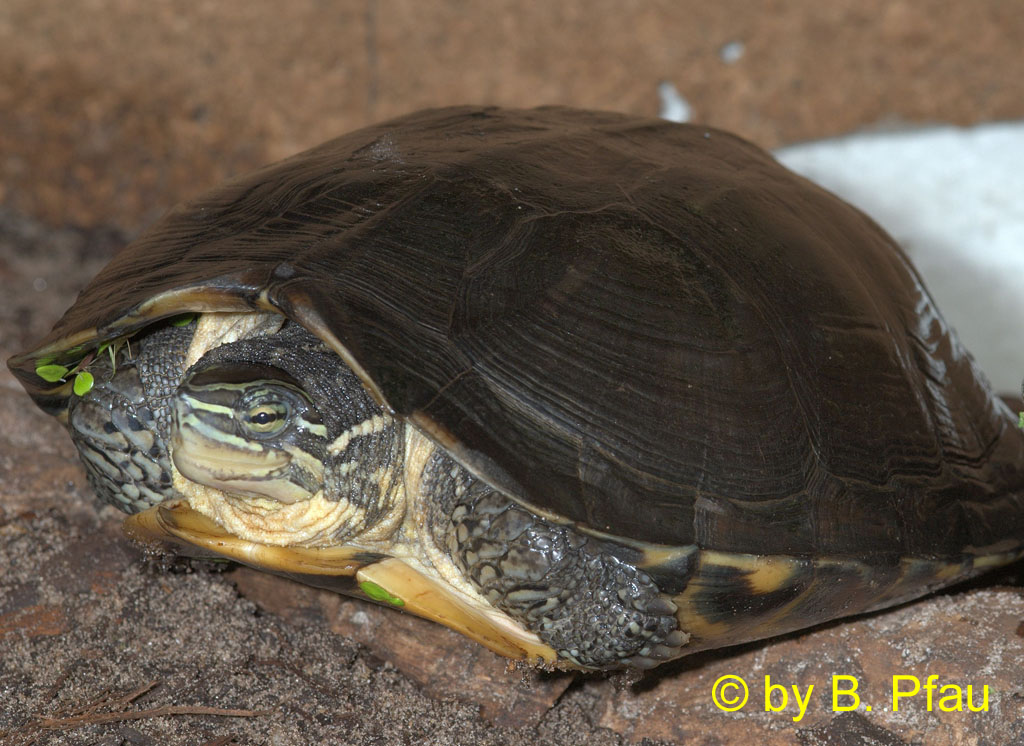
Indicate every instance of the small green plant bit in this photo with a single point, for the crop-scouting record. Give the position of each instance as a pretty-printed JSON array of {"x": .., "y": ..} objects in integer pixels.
[
  {"x": 83, "y": 379},
  {"x": 83, "y": 383},
  {"x": 377, "y": 593},
  {"x": 51, "y": 373},
  {"x": 111, "y": 351},
  {"x": 113, "y": 348}
]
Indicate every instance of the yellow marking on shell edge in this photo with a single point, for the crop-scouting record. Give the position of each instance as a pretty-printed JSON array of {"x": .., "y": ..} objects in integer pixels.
[
  {"x": 763, "y": 573},
  {"x": 760, "y": 574},
  {"x": 948, "y": 572},
  {"x": 662, "y": 555},
  {"x": 823, "y": 589},
  {"x": 770, "y": 576},
  {"x": 996, "y": 560},
  {"x": 431, "y": 599},
  {"x": 194, "y": 299},
  {"x": 204, "y": 300},
  {"x": 178, "y": 523}
]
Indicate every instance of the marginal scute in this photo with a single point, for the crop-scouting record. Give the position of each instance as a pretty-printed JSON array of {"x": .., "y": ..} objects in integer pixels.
[{"x": 732, "y": 598}]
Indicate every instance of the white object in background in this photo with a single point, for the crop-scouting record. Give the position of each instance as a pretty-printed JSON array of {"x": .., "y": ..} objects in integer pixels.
[
  {"x": 732, "y": 52},
  {"x": 674, "y": 107},
  {"x": 954, "y": 199}
]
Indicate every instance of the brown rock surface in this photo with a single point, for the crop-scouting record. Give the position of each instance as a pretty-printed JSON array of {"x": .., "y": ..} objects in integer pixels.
[
  {"x": 113, "y": 110},
  {"x": 507, "y": 694}
]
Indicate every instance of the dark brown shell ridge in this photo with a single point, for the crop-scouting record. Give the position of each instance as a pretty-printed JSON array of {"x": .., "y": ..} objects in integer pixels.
[{"x": 650, "y": 329}]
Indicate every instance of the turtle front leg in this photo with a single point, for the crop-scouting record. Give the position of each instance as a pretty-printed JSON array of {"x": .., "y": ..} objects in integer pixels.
[{"x": 579, "y": 594}]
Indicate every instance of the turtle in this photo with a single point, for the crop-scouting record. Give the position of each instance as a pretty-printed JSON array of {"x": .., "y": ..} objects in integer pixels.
[{"x": 595, "y": 390}]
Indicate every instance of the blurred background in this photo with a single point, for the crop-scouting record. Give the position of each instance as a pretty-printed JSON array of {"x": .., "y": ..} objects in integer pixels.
[{"x": 113, "y": 110}]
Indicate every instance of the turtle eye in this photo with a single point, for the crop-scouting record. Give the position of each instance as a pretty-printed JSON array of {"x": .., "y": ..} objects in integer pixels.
[{"x": 267, "y": 417}]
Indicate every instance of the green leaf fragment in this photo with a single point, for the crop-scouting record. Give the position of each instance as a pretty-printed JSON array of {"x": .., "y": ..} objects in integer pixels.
[
  {"x": 377, "y": 593},
  {"x": 1020, "y": 421},
  {"x": 51, "y": 373},
  {"x": 183, "y": 320},
  {"x": 83, "y": 383}
]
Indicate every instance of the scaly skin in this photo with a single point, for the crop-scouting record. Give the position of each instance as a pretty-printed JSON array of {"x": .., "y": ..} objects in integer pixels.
[
  {"x": 582, "y": 596},
  {"x": 121, "y": 426}
]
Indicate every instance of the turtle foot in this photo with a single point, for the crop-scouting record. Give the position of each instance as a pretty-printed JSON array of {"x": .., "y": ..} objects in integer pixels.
[{"x": 594, "y": 608}]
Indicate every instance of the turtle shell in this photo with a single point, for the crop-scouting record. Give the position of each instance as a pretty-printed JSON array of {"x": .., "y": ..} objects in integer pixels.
[{"x": 651, "y": 330}]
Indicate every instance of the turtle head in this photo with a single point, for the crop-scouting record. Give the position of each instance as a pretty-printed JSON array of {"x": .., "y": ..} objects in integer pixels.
[
  {"x": 249, "y": 430},
  {"x": 274, "y": 438}
]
